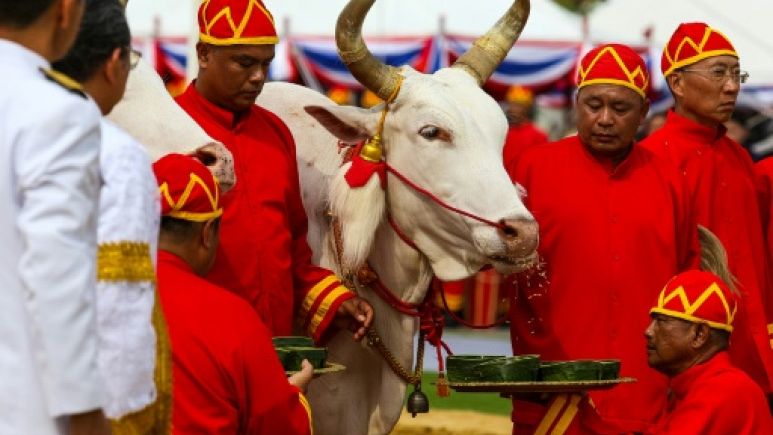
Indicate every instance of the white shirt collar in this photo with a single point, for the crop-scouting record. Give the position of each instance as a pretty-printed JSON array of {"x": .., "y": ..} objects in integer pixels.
[{"x": 17, "y": 55}]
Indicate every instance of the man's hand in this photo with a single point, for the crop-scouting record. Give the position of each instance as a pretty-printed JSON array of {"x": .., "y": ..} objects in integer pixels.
[
  {"x": 89, "y": 423},
  {"x": 302, "y": 378},
  {"x": 356, "y": 315}
]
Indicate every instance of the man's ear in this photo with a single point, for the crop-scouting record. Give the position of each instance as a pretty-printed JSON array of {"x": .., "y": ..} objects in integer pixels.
[
  {"x": 114, "y": 65},
  {"x": 209, "y": 233},
  {"x": 701, "y": 335},
  {"x": 203, "y": 52},
  {"x": 675, "y": 82},
  {"x": 68, "y": 14}
]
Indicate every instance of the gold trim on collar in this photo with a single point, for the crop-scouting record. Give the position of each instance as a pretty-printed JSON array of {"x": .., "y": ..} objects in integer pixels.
[{"x": 64, "y": 81}]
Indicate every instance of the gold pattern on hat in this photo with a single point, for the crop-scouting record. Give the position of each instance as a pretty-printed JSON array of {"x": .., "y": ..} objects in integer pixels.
[
  {"x": 689, "y": 308},
  {"x": 698, "y": 47},
  {"x": 177, "y": 206},
  {"x": 226, "y": 14},
  {"x": 632, "y": 75}
]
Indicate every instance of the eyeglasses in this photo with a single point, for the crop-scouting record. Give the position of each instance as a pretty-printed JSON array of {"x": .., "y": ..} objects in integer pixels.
[
  {"x": 720, "y": 75},
  {"x": 134, "y": 58}
]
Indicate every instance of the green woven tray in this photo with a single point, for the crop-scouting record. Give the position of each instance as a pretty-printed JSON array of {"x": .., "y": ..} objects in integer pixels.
[
  {"x": 512, "y": 388},
  {"x": 293, "y": 341},
  {"x": 330, "y": 367}
]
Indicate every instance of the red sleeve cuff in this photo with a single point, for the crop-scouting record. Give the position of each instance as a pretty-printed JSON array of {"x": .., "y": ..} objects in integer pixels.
[
  {"x": 320, "y": 305},
  {"x": 327, "y": 312}
]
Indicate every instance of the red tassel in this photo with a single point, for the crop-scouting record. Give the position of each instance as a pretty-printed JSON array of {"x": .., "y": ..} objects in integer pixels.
[
  {"x": 442, "y": 385},
  {"x": 361, "y": 170}
]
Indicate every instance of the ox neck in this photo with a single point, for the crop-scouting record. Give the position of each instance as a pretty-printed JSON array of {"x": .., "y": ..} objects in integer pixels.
[{"x": 401, "y": 268}]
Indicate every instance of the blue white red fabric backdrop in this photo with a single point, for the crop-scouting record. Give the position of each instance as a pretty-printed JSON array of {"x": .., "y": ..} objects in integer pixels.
[{"x": 547, "y": 67}]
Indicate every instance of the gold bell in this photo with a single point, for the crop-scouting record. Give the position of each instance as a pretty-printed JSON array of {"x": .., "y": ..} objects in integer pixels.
[
  {"x": 371, "y": 151},
  {"x": 417, "y": 402}
]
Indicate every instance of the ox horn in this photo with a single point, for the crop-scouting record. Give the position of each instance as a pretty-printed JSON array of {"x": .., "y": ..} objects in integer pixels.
[
  {"x": 489, "y": 50},
  {"x": 379, "y": 78}
]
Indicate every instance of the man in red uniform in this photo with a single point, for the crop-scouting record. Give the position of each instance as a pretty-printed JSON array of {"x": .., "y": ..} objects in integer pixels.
[
  {"x": 687, "y": 341},
  {"x": 227, "y": 377},
  {"x": 764, "y": 170},
  {"x": 263, "y": 256},
  {"x": 703, "y": 72},
  {"x": 614, "y": 225},
  {"x": 522, "y": 134}
]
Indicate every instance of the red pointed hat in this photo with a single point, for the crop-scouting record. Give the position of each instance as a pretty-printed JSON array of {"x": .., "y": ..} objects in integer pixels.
[
  {"x": 236, "y": 22},
  {"x": 188, "y": 190},
  {"x": 614, "y": 64},
  {"x": 693, "y": 42},
  {"x": 698, "y": 296}
]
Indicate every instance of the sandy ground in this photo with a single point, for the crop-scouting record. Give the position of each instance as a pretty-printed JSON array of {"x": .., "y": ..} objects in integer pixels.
[{"x": 447, "y": 422}]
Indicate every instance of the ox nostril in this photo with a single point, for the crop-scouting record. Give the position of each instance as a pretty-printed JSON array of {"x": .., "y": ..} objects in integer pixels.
[
  {"x": 521, "y": 236},
  {"x": 509, "y": 230},
  {"x": 206, "y": 157}
]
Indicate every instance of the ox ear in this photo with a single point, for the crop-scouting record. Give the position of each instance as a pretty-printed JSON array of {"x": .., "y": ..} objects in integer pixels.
[
  {"x": 360, "y": 210},
  {"x": 348, "y": 123}
]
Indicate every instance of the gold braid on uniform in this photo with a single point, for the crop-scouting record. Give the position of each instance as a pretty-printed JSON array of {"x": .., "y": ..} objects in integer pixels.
[
  {"x": 125, "y": 261},
  {"x": 156, "y": 418},
  {"x": 64, "y": 81},
  {"x": 131, "y": 262}
]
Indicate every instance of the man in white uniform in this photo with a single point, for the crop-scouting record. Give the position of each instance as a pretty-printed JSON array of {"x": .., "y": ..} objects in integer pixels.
[
  {"x": 128, "y": 228},
  {"x": 49, "y": 186}
]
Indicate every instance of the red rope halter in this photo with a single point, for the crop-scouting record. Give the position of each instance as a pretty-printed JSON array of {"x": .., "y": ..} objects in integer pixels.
[{"x": 439, "y": 201}]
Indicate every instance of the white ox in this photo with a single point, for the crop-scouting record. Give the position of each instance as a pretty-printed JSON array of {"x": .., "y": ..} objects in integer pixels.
[
  {"x": 443, "y": 133},
  {"x": 446, "y": 135}
]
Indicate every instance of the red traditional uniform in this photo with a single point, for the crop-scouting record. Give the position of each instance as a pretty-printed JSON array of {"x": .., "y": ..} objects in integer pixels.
[
  {"x": 609, "y": 236},
  {"x": 520, "y": 138},
  {"x": 227, "y": 377},
  {"x": 609, "y": 239},
  {"x": 263, "y": 255},
  {"x": 724, "y": 191},
  {"x": 714, "y": 397},
  {"x": 764, "y": 169}
]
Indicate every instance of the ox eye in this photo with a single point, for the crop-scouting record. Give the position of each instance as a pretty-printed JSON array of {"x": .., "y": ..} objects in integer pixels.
[{"x": 429, "y": 132}]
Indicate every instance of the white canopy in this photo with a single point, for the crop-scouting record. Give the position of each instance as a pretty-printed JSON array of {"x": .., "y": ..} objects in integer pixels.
[{"x": 388, "y": 17}]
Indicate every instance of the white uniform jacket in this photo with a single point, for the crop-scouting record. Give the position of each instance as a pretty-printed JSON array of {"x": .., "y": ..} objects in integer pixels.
[
  {"x": 129, "y": 215},
  {"x": 49, "y": 187}
]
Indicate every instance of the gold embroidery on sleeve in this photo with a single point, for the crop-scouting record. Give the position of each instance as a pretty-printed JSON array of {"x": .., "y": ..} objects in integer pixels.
[{"x": 125, "y": 261}]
